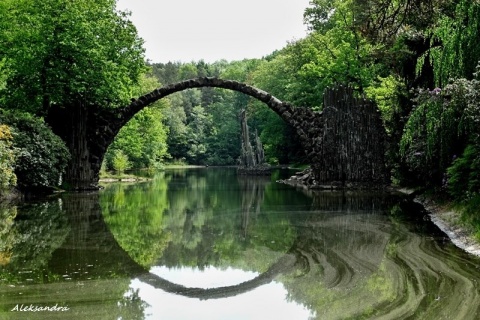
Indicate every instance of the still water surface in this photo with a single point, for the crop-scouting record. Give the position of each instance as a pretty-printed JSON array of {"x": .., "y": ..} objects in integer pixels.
[{"x": 208, "y": 244}]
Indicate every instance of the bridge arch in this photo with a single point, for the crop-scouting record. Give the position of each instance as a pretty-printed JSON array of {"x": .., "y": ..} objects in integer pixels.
[
  {"x": 283, "y": 109},
  {"x": 104, "y": 124},
  {"x": 344, "y": 144},
  {"x": 282, "y": 266}
]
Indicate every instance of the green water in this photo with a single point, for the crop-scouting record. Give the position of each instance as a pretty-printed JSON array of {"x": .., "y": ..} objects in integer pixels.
[{"x": 208, "y": 244}]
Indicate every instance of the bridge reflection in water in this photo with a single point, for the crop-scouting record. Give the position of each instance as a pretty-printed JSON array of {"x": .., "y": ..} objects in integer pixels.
[{"x": 115, "y": 254}]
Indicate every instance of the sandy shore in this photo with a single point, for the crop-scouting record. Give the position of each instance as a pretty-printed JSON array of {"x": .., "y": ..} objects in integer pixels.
[{"x": 449, "y": 222}]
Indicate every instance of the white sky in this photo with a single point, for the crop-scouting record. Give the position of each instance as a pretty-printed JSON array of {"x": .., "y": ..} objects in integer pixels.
[{"x": 191, "y": 30}]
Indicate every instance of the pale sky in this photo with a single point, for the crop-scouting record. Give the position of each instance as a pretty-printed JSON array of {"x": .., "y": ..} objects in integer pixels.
[{"x": 191, "y": 30}]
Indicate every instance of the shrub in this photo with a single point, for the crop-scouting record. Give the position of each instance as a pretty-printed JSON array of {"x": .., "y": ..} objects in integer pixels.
[
  {"x": 7, "y": 159},
  {"x": 41, "y": 155}
]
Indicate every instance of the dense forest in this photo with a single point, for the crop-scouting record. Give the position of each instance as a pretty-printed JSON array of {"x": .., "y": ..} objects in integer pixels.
[{"x": 419, "y": 60}]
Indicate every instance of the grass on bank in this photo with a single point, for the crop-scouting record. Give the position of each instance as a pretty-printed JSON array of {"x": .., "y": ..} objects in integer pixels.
[
  {"x": 469, "y": 211},
  {"x": 464, "y": 214}
]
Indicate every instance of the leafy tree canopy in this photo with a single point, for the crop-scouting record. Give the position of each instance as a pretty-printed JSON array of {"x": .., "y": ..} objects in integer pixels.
[
  {"x": 142, "y": 142},
  {"x": 57, "y": 52}
]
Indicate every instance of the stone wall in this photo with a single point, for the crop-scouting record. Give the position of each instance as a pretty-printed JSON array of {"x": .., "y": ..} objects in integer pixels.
[{"x": 345, "y": 142}]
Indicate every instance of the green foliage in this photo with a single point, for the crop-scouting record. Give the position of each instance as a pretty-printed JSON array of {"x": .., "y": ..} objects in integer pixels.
[
  {"x": 439, "y": 129},
  {"x": 7, "y": 159},
  {"x": 3, "y": 76},
  {"x": 176, "y": 122},
  {"x": 334, "y": 53},
  {"x": 430, "y": 137},
  {"x": 120, "y": 161},
  {"x": 58, "y": 52},
  {"x": 337, "y": 56},
  {"x": 7, "y": 236},
  {"x": 458, "y": 32},
  {"x": 33, "y": 240},
  {"x": 384, "y": 91},
  {"x": 465, "y": 94},
  {"x": 199, "y": 128},
  {"x": 224, "y": 139},
  {"x": 144, "y": 138},
  {"x": 464, "y": 174},
  {"x": 203, "y": 124},
  {"x": 318, "y": 15},
  {"x": 41, "y": 155},
  {"x": 277, "y": 137},
  {"x": 275, "y": 76},
  {"x": 384, "y": 49},
  {"x": 469, "y": 209},
  {"x": 135, "y": 215},
  {"x": 240, "y": 70}
]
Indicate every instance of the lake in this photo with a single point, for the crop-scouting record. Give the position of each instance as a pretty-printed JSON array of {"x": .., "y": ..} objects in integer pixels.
[{"x": 208, "y": 244}]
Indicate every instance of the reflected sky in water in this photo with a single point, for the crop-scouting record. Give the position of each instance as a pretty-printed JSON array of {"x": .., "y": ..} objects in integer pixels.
[{"x": 265, "y": 302}]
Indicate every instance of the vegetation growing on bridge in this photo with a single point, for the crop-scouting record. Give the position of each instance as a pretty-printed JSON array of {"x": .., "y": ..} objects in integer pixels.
[{"x": 417, "y": 59}]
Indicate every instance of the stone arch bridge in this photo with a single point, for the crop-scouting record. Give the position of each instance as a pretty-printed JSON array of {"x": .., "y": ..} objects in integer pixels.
[{"x": 344, "y": 143}]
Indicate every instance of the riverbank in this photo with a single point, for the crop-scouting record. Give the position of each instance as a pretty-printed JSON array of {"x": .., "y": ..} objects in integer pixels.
[{"x": 448, "y": 220}]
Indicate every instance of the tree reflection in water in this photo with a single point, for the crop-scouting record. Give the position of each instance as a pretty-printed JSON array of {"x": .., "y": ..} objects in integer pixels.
[
  {"x": 62, "y": 253},
  {"x": 341, "y": 255}
]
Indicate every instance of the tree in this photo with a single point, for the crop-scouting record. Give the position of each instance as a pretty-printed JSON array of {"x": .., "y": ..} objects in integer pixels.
[
  {"x": 175, "y": 120},
  {"x": 144, "y": 138},
  {"x": 203, "y": 123},
  {"x": 443, "y": 127},
  {"x": 334, "y": 54},
  {"x": 120, "y": 161},
  {"x": 198, "y": 129},
  {"x": 223, "y": 142},
  {"x": 458, "y": 53},
  {"x": 62, "y": 52},
  {"x": 69, "y": 61},
  {"x": 166, "y": 73}
]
